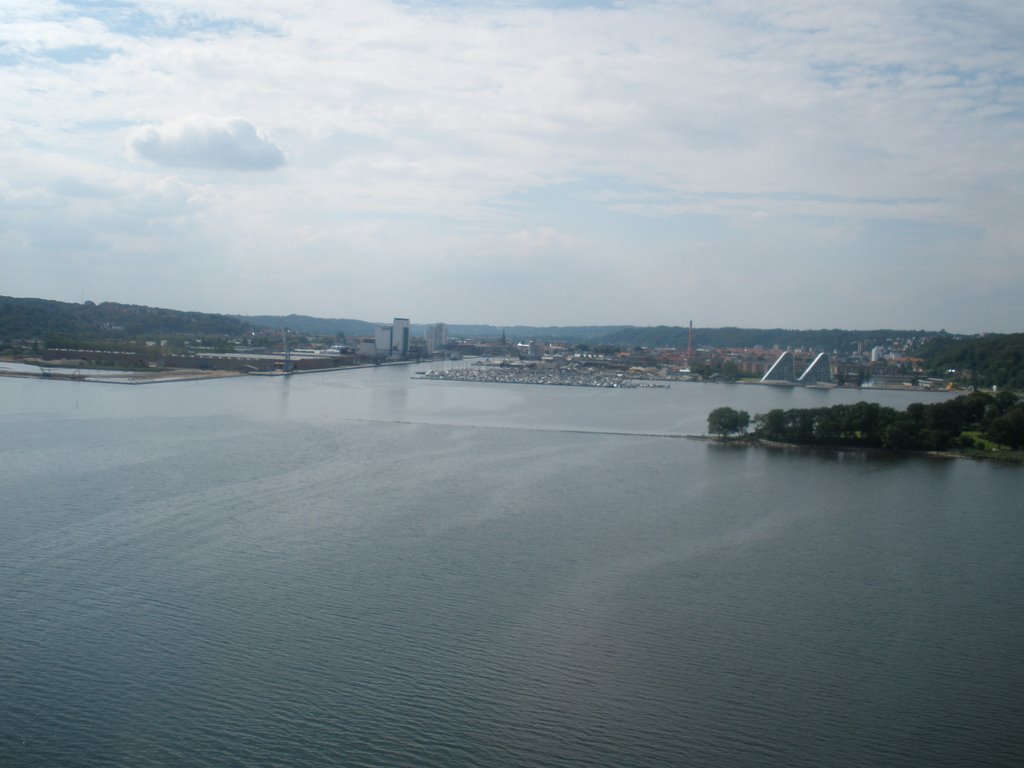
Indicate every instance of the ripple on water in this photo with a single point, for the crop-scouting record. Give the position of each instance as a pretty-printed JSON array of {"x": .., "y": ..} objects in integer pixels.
[{"x": 381, "y": 594}]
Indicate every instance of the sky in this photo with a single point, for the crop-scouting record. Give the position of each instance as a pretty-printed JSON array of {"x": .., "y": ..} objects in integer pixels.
[{"x": 797, "y": 164}]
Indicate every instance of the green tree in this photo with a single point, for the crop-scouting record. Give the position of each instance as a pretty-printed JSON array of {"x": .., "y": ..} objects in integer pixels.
[
  {"x": 771, "y": 425},
  {"x": 1008, "y": 429},
  {"x": 900, "y": 435},
  {"x": 727, "y": 421}
]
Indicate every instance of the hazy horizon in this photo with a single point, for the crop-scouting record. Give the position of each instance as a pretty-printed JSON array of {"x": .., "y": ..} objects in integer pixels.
[
  {"x": 513, "y": 325},
  {"x": 536, "y": 162}
]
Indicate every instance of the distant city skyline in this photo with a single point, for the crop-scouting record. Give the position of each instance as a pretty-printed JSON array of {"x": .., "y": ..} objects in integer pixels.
[{"x": 530, "y": 163}]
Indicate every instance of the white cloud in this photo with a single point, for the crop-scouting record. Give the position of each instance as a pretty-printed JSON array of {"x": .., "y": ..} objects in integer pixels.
[
  {"x": 717, "y": 146},
  {"x": 200, "y": 141}
]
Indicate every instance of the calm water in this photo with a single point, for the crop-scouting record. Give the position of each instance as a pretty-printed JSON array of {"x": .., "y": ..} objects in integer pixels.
[{"x": 360, "y": 569}]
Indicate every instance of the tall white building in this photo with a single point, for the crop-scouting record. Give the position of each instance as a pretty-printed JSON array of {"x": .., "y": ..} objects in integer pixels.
[
  {"x": 382, "y": 339},
  {"x": 440, "y": 334},
  {"x": 436, "y": 337},
  {"x": 400, "y": 337}
]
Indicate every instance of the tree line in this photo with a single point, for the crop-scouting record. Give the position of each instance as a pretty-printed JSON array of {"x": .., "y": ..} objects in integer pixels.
[{"x": 956, "y": 423}]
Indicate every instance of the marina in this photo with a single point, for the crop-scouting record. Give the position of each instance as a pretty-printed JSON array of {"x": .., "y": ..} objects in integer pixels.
[{"x": 554, "y": 376}]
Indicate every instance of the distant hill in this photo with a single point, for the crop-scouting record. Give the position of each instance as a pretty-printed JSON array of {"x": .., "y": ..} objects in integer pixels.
[
  {"x": 996, "y": 358},
  {"x": 571, "y": 333},
  {"x": 55, "y": 320},
  {"x": 824, "y": 339},
  {"x": 320, "y": 326}
]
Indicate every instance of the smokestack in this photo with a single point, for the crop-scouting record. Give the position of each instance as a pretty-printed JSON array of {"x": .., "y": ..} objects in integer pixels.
[{"x": 689, "y": 346}]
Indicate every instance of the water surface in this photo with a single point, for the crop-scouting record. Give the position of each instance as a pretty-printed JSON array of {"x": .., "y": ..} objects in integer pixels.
[{"x": 360, "y": 569}]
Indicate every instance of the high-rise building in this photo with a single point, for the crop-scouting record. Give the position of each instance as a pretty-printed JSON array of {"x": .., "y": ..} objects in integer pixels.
[
  {"x": 436, "y": 337},
  {"x": 440, "y": 335},
  {"x": 382, "y": 339},
  {"x": 400, "y": 336}
]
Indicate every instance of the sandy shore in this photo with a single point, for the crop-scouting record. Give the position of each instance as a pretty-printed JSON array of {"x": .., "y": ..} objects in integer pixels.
[{"x": 118, "y": 377}]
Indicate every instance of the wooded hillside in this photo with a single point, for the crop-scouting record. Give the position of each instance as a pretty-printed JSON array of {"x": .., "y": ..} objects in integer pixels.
[
  {"x": 52, "y": 321},
  {"x": 996, "y": 359},
  {"x": 768, "y": 338}
]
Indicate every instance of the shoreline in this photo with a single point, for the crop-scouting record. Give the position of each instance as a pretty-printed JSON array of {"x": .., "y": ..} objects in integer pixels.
[
  {"x": 753, "y": 442},
  {"x": 599, "y": 382},
  {"x": 121, "y": 377},
  {"x": 131, "y": 377}
]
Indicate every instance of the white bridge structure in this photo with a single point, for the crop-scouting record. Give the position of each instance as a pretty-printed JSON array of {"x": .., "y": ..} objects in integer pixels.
[{"x": 783, "y": 370}]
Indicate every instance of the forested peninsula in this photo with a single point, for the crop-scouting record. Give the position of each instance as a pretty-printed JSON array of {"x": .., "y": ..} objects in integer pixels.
[{"x": 979, "y": 424}]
